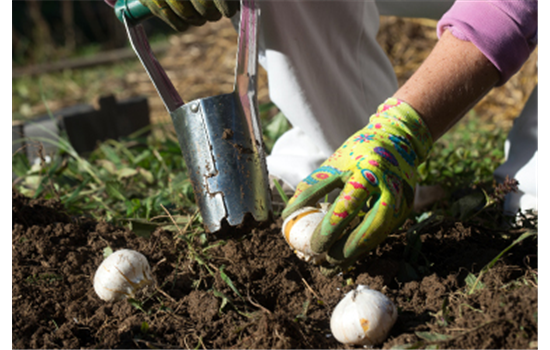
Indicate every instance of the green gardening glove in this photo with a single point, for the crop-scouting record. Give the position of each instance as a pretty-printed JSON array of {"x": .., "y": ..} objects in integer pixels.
[
  {"x": 180, "y": 13},
  {"x": 377, "y": 168}
]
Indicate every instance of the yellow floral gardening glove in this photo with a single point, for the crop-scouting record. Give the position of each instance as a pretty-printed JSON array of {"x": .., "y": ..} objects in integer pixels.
[
  {"x": 179, "y": 13},
  {"x": 377, "y": 168}
]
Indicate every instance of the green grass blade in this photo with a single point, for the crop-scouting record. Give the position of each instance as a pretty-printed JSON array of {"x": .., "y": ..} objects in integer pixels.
[
  {"x": 519, "y": 239},
  {"x": 494, "y": 261},
  {"x": 68, "y": 148},
  {"x": 76, "y": 192},
  {"x": 433, "y": 336},
  {"x": 229, "y": 282},
  {"x": 114, "y": 189},
  {"x": 280, "y": 191}
]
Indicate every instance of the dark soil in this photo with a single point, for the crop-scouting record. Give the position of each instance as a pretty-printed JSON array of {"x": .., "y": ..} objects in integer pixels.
[{"x": 283, "y": 302}]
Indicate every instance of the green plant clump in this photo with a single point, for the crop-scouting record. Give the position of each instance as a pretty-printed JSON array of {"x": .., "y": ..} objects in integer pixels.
[
  {"x": 127, "y": 181},
  {"x": 466, "y": 155}
]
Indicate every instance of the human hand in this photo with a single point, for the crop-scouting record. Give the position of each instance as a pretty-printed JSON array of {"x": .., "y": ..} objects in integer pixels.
[
  {"x": 180, "y": 13},
  {"x": 377, "y": 168}
]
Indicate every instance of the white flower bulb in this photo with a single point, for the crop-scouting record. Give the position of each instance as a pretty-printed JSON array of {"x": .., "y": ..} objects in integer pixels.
[
  {"x": 363, "y": 317},
  {"x": 121, "y": 274},
  {"x": 298, "y": 229}
]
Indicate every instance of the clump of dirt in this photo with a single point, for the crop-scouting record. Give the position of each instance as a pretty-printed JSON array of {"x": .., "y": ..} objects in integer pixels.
[
  {"x": 250, "y": 291},
  {"x": 227, "y": 134}
]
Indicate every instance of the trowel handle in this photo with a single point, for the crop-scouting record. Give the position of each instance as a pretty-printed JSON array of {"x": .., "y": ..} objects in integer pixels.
[
  {"x": 140, "y": 44},
  {"x": 135, "y": 11}
]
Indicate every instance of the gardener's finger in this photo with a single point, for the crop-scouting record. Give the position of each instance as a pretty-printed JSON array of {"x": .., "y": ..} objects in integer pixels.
[
  {"x": 372, "y": 230},
  {"x": 347, "y": 206},
  {"x": 314, "y": 187},
  {"x": 161, "y": 9},
  {"x": 185, "y": 9},
  {"x": 207, "y": 9},
  {"x": 227, "y": 8}
]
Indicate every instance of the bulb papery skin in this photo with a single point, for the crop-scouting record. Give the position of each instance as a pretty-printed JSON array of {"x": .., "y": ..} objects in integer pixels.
[
  {"x": 121, "y": 275},
  {"x": 363, "y": 317},
  {"x": 298, "y": 229}
]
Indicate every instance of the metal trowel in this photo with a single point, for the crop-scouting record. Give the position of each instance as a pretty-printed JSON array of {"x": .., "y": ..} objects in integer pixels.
[{"x": 220, "y": 136}]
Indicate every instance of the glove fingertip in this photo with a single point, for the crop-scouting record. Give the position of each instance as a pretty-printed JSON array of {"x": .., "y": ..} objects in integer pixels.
[
  {"x": 318, "y": 241},
  {"x": 330, "y": 271},
  {"x": 227, "y": 8},
  {"x": 207, "y": 9}
]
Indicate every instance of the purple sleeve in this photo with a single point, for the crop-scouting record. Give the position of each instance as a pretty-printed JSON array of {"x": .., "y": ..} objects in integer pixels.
[
  {"x": 504, "y": 31},
  {"x": 111, "y": 2}
]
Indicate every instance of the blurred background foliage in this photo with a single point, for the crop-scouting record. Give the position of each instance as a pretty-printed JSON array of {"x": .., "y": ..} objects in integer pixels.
[
  {"x": 45, "y": 31},
  {"x": 200, "y": 61}
]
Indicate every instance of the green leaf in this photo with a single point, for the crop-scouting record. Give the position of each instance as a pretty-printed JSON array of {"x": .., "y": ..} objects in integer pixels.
[
  {"x": 126, "y": 172},
  {"x": 107, "y": 251},
  {"x": 110, "y": 153},
  {"x": 442, "y": 316},
  {"x": 274, "y": 129},
  {"x": 519, "y": 239},
  {"x": 432, "y": 346},
  {"x": 148, "y": 207},
  {"x": 229, "y": 282},
  {"x": 142, "y": 156},
  {"x": 144, "y": 327},
  {"x": 469, "y": 307},
  {"x": 20, "y": 164},
  {"x": 433, "y": 337},
  {"x": 142, "y": 228},
  {"x": 225, "y": 299},
  {"x": 473, "y": 283},
  {"x": 280, "y": 191},
  {"x": 132, "y": 206},
  {"x": 107, "y": 165},
  {"x": 305, "y": 308},
  {"x": 114, "y": 189},
  {"x": 417, "y": 345},
  {"x": 137, "y": 304},
  {"x": 266, "y": 107},
  {"x": 277, "y": 126},
  {"x": 76, "y": 192},
  {"x": 147, "y": 175},
  {"x": 40, "y": 187}
]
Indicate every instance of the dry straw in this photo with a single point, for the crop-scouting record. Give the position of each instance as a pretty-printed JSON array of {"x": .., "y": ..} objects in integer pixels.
[{"x": 201, "y": 63}]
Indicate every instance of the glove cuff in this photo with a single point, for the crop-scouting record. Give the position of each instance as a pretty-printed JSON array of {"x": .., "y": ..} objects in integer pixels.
[{"x": 402, "y": 121}]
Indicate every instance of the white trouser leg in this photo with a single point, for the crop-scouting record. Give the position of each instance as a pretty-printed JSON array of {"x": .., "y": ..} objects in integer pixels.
[
  {"x": 326, "y": 73},
  {"x": 521, "y": 152},
  {"x": 414, "y": 8}
]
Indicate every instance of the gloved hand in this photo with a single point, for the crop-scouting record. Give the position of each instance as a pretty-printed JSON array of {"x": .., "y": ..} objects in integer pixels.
[
  {"x": 377, "y": 168},
  {"x": 179, "y": 13}
]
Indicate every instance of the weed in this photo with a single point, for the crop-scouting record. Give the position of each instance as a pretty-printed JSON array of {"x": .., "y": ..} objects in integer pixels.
[
  {"x": 229, "y": 282},
  {"x": 303, "y": 315},
  {"x": 138, "y": 305},
  {"x": 476, "y": 284}
]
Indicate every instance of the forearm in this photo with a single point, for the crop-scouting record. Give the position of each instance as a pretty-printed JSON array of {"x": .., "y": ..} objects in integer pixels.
[{"x": 454, "y": 77}]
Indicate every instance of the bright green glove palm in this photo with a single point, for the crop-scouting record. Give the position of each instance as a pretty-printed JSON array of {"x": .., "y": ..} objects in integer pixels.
[
  {"x": 377, "y": 168},
  {"x": 180, "y": 13}
]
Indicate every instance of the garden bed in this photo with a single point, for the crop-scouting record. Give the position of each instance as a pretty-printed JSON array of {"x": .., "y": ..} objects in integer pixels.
[{"x": 282, "y": 302}]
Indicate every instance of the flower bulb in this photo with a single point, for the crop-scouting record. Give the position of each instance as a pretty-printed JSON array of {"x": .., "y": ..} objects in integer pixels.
[
  {"x": 121, "y": 275},
  {"x": 363, "y": 317},
  {"x": 298, "y": 229}
]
